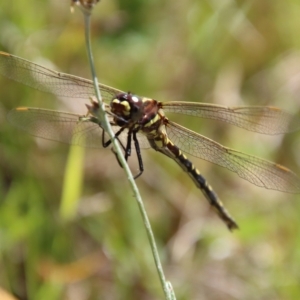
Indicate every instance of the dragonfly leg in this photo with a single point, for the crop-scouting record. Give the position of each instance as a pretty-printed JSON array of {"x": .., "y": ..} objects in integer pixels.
[
  {"x": 127, "y": 149},
  {"x": 138, "y": 154},
  {"x": 105, "y": 144},
  {"x": 137, "y": 149},
  {"x": 128, "y": 146}
]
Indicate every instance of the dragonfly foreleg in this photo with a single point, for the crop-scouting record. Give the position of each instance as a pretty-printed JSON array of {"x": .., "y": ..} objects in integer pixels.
[{"x": 105, "y": 144}]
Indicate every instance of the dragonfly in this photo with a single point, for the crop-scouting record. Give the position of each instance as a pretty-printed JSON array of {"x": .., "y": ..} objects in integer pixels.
[{"x": 144, "y": 121}]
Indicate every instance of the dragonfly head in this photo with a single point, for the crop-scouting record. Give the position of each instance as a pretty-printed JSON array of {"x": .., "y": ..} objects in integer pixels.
[{"x": 127, "y": 106}]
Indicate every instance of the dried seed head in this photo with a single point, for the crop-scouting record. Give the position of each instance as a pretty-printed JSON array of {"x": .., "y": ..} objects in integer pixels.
[{"x": 85, "y": 5}]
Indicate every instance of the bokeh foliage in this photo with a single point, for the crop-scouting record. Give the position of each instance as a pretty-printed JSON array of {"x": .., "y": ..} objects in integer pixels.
[{"x": 226, "y": 52}]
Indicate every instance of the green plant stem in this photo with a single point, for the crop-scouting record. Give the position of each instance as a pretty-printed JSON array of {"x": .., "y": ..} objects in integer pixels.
[{"x": 167, "y": 288}]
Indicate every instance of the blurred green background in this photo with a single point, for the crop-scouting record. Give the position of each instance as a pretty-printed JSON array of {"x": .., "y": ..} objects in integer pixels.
[{"x": 224, "y": 52}]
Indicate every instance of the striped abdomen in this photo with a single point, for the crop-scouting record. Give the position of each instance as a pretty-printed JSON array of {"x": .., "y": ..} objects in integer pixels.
[
  {"x": 174, "y": 152},
  {"x": 155, "y": 130}
]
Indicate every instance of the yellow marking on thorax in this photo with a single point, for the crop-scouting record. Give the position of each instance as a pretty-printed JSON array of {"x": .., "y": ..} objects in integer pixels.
[{"x": 152, "y": 121}]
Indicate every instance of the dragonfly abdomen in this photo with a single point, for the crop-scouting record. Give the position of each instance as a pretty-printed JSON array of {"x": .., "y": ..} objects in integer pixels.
[{"x": 201, "y": 183}]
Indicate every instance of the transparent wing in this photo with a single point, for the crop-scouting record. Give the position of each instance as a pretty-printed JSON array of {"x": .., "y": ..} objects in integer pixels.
[
  {"x": 262, "y": 119},
  {"x": 50, "y": 81},
  {"x": 57, "y": 126},
  {"x": 64, "y": 127},
  {"x": 256, "y": 170},
  {"x": 268, "y": 120}
]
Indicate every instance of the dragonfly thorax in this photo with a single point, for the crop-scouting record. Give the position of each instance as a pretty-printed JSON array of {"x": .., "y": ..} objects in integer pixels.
[{"x": 133, "y": 109}]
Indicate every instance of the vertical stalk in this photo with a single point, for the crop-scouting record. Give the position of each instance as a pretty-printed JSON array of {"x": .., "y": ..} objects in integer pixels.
[{"x": 86, "y": 8}]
